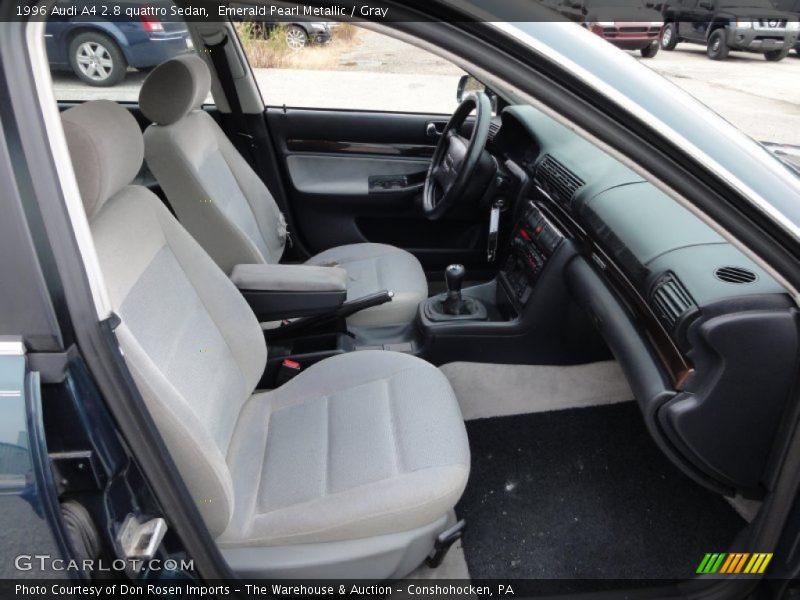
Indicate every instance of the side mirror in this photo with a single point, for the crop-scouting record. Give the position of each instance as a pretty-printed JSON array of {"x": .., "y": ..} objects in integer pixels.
[
  {"x": 467, "y": 83},
  {"x": 707, "y": 5}
]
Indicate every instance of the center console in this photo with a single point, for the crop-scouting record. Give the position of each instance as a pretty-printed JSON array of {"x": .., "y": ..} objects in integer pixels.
[
  {"x": 519, "y": 315},
  {"x": 534, "y": 239}
]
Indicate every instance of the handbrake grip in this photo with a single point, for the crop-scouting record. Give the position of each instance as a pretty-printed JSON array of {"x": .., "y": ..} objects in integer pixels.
[
  {"x": 345, "y": 310},
  {"x": 351, "y": 307}
]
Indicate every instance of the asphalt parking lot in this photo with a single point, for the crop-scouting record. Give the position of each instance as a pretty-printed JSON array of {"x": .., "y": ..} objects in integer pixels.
[{"x": 759, "y": 97}]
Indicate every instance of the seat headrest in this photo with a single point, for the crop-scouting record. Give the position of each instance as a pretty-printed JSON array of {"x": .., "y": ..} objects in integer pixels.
[
  {"x": 106, "y": 147},
  {"x": 175, "y": 88}
]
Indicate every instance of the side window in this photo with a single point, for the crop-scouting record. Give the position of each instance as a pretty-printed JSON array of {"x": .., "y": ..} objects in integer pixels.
[
  {"x": 109, "y": 57},
  {"x": 344, "y": 66}
]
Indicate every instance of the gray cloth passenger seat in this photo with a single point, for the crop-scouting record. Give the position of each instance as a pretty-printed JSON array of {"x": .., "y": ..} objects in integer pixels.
[
  {"x": 223, "y": 203},
  {"x": 349, "y": 470}
]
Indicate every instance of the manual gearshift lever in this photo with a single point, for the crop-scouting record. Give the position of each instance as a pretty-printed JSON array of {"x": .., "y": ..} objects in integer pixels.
[
  {"x": 453, "y": 306},
  {"x": 454, "y": 277}
]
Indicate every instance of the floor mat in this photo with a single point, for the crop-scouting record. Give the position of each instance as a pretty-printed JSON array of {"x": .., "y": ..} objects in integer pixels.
[
  {"x": 584, "y": 494},
  {"x": 493, "y": 390}
]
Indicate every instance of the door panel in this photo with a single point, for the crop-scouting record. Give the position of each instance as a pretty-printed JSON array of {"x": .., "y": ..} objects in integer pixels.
[
  {"x": 356, "y": 176},
  {"x": 345, "y": 174}
]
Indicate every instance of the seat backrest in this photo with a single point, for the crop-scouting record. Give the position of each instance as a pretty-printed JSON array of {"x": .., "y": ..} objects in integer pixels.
[
  {"x": 216, "y": 195},
  {"x": 194, "y": 347}
]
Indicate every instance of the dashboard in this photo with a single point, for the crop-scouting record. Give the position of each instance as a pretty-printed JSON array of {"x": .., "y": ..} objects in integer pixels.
[{"x": 708, "y": 340}]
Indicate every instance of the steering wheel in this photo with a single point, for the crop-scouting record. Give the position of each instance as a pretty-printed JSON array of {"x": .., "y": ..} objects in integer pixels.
[{"x": 456, "y": 158}]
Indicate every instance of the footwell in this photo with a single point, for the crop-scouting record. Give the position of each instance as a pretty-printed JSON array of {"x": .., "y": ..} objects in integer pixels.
[{"x": 584, "y": 494}]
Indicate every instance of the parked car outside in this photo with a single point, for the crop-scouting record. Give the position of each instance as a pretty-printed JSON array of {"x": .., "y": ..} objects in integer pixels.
[
  {"x": 625, "y": 24},
  {"x": 100, "y": 51},
  {"x": 725, "y": 25},
  {"x": 298, "y": 34},
  {"x": 792, "y": 6}
]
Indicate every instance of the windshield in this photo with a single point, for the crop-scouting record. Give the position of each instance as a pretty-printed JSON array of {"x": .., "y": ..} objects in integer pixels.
[
  {"x": 788, "y": 155},
  {"x": 749, "y": 79}
]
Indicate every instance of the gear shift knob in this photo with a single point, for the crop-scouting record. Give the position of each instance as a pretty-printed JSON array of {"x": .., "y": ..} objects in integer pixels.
[
  {"x": 454, "y": 277},
  {"x": 453, "y": 303}
]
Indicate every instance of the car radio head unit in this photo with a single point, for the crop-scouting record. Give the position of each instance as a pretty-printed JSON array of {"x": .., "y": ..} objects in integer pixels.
[{"x": 534, "y": 239}]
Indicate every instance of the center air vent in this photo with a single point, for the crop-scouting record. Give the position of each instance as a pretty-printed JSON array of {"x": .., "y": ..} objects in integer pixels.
[
  {"x": 494, "y": 129},
  {"x": 671, "y": 300},
  {"x": 557, "y": 180},
  {"x": 735, "y": 275}
]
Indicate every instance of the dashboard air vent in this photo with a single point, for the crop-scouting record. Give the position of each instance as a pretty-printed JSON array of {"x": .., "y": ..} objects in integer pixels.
[
  {"x": 671, "y": 300},
  {"x": 557, "y": 179},
  {"x": 735, "y": 275},
  {"x": 494, "y": 129}
]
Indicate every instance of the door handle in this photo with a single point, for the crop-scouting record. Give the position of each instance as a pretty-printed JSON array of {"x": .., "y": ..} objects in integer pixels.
[{"x": 434, "y": 129}]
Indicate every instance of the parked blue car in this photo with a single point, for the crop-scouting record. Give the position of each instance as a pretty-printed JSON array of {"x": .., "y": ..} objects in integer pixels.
[{"x": 99, "y": 51}]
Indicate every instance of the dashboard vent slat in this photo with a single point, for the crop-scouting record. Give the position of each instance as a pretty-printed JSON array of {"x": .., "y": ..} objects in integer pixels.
[
  {"x": 735, "y": 275},
  {"x": 557, "y": 179},
  {"x": 494, "y": 129},
  {"x": 671, "y": 300}
]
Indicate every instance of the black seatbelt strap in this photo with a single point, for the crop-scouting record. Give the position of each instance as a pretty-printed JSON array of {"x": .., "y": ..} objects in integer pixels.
[
  {"x": 225, "y": 76},
  {"x": 223, "y": 69}
]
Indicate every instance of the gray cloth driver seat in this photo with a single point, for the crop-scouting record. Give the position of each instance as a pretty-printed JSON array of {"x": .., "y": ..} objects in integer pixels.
[
  {"x": 349, "y": 470},
  {"x": 221, "y": 201}
]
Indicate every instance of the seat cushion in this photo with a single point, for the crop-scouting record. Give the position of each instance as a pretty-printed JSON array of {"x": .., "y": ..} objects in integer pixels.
[
  {"x": 361, "y": 444},
  {"x": 375, "y": 267}
]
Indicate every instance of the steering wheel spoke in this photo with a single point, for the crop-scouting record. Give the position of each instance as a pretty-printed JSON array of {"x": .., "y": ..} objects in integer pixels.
[
  {"x": 438, "y": 176},
  {"x": 456, "y": 158}
]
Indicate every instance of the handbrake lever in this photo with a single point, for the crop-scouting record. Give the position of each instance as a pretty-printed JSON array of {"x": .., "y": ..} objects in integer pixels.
[
  {"x": 345, "y": 310},
  {"x": 351, "y": 307}
]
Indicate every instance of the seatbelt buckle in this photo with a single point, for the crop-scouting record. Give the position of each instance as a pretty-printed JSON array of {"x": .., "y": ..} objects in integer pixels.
[
  {"x": 283, "y": 230},
  {"x": 288, "y": 370}
]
